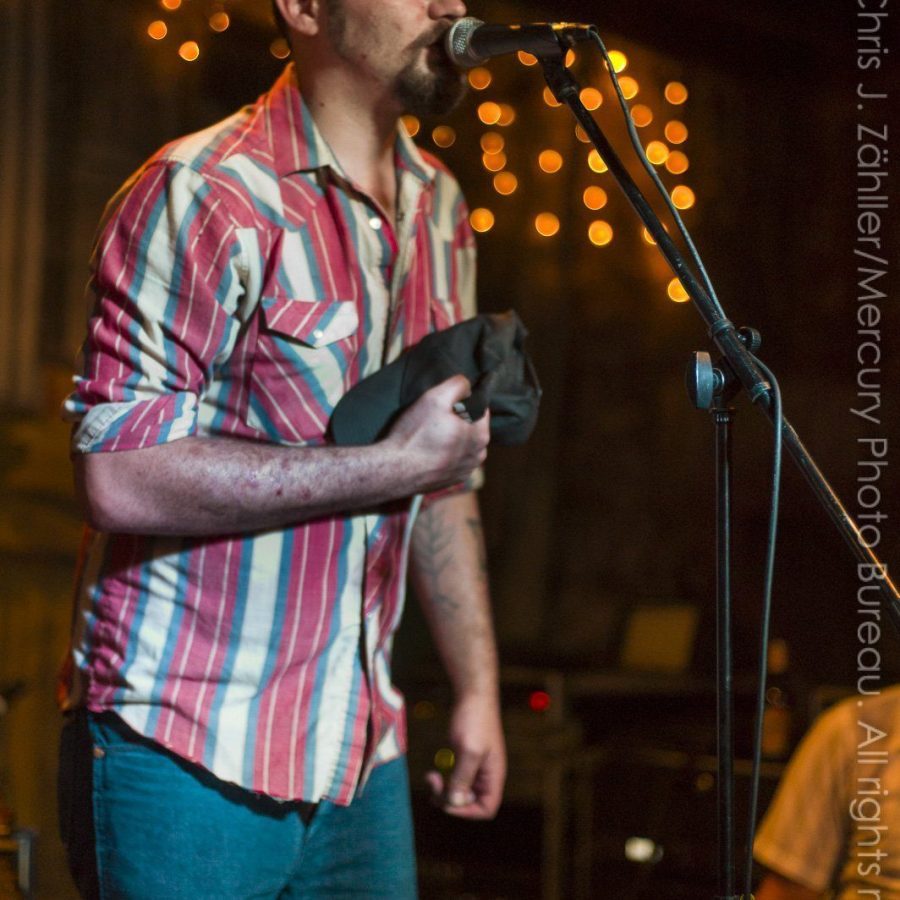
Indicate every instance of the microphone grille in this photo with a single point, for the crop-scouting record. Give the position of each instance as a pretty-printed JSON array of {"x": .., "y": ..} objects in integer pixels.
[{"x": 458, "y": 39}]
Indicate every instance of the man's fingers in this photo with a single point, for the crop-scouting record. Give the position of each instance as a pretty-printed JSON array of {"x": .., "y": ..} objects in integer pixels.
[
  {"x": 451, "y": 391},
  {"x": 461, "y": 781}
]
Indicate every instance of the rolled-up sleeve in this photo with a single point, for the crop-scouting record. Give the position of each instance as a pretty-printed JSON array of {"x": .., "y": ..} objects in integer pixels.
[{"x": 165, "y": 284}]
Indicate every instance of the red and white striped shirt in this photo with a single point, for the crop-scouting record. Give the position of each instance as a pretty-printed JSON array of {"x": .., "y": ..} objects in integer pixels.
[{"x": 242, "y": 285}]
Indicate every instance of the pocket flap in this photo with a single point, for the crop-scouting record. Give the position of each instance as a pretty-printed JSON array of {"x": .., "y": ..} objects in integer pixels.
[{"x": 313, "y": 322}]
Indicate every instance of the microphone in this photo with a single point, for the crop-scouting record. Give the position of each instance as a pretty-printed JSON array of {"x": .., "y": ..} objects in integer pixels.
[{"x": 469, "y": 42}]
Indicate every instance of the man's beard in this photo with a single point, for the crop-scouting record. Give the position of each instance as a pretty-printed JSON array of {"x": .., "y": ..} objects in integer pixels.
[
  {"x": 421, "y": 90},
  {"x": 430, "y": 91}
]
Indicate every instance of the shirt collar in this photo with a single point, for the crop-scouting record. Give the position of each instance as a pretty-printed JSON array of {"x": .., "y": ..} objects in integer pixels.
[{"x": 297, "y": 144}]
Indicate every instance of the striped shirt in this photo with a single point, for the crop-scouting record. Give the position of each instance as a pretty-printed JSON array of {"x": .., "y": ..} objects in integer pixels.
[{"x": 242, "y": 284}]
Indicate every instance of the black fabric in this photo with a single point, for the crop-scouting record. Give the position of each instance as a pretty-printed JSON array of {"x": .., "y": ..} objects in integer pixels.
[{"x": 487, "y": 349}]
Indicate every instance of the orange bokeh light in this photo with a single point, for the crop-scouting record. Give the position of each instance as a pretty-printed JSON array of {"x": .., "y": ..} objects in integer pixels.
[
  {"x": 600, "y": 233},
  {"x": 676, "y": 93},
  {"x": 505, "y": 183},
  {"x": 189, "y": 51},
  {"x": 481, "y": 219},
  {"x": 591, "y": 98},
  {"x": 676, "y": 132},
  {"x": 641, "y": 115},
  {"x": 547, "y": 224},
  {"x": 657, "y": 152},
  {"x": 596, "y": 163},
  {"x": 480, "y": 78},
  {"x": 683, "y": 197},
  {"x": 595, "y": 197},
  {"x": 489, "y": 113},
  {"x": 677, "y": 292},
  {"x": 550, "y": 161}
]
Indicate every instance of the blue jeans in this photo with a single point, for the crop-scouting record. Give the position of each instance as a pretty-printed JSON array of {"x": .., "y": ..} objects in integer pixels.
[{"x": 139, "y": 822}]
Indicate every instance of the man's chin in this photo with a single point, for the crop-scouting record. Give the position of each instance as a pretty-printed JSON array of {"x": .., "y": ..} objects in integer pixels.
[{"x": 431, "y": 90}]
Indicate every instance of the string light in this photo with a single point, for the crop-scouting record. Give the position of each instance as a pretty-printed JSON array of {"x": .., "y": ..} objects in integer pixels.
[
  {"x": 657, "y": 152},
  {"x": 189, "y": 51},
  {"x": 549, "y": 99},
  {"x": 411, "y": 124},
  {"x": 619, "y": 61},
  {"x": 489, "y": 113},
  {"x": 481, "y": 219},
  {"x": 492, "y": 142},
  {"x": 683, "y": 197},
  {"x": 641, "y": 115},
  {"x": 493, "y": 162},
  {"x": 677, "y": 163},
  {"x": 170, "y": 5},
  {"x": 505, "y": 183},
  {"x": 629, "y": 86},
  {"x": 279, "y": 48},
  {"x": 676, "y": 93},
  {"x": 571, "y": 58},
  {"x": 581, "y": 134},
  {"x": 550, "y": 161},
  {"x": 219, "y": 21},
  {"x": 595, "y": 197},
  {"x": 444, "y": 136},
  {"x": 507, "y": 115},
  {"x": 600, "y": 233},
  {"x": 157, "y": 30},
  {"x": 676, "y": 291},
  {"x": 591, "y": 98},
  {"x": 480, "y": 78},
  {"x": 526, "y": 58},
  {"x": 596, "y": 163},
  {"x": 676, "y": 132},
  {"x": 648, "y": 237},
  {"x": 547, "y": 224}
]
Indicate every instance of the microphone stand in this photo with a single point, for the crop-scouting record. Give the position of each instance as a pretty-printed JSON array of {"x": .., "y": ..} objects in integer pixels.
[{"x": 712, "y": 388}]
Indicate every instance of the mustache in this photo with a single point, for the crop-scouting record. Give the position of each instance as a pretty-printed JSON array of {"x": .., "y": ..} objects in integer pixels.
[{"x": 436, "y": 35}]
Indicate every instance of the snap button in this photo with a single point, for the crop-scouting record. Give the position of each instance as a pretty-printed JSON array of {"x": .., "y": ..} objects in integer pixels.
[
  {"x": 376, "y": 223},
  {"x": 318, "y": 334},
  {"x": 99, "y": 752}
]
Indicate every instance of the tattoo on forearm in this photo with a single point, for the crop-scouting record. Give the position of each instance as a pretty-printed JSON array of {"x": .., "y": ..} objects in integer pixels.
[{"x": 434, "y": 552}]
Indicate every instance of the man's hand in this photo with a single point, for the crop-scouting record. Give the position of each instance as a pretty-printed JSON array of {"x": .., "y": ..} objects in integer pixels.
[
  {"x": 437, "y": 443},
  {"x": 474, "y": 789}
]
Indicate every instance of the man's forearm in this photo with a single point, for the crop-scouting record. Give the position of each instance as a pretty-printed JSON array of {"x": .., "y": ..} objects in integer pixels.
[
  {"x": 449, "y": 573},
  {"x": 217, "y": 485},
  {"x": 221, "y": 486}
]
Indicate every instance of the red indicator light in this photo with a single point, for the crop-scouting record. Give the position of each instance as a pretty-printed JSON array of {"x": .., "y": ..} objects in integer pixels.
[{"x": 539, "y": 701}]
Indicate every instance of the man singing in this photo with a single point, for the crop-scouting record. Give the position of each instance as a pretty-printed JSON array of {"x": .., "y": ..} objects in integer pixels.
[{"x": 232, "y": 727}]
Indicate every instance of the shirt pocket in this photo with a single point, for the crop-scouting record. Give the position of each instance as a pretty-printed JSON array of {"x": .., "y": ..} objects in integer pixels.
[{"x": 302, "y": 363}]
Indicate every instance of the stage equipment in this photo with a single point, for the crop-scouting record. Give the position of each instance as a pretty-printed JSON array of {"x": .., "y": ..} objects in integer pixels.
[{"x": 711, "y": 385}]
